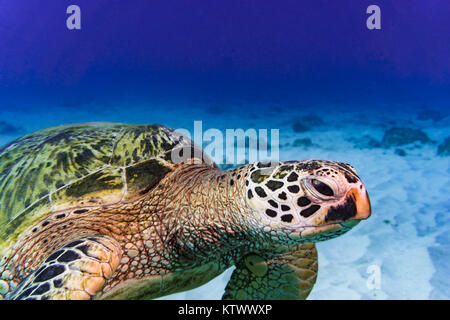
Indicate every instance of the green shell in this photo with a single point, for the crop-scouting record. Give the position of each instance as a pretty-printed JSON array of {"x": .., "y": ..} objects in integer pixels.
[{"x": 55, "y": 167}]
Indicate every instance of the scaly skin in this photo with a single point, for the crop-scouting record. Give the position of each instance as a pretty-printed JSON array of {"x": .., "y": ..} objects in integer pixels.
[
  {"x": 188, "y": 229},
  {"x": 193, "y": 217}
]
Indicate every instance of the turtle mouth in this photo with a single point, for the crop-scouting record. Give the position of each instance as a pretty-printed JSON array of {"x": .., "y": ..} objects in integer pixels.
[
  {"x": 349, "y": 223},
  {"x": 325, "y": 231},
  {"x": 314, "y": 230},
  {"x": 331, "y": 225}
]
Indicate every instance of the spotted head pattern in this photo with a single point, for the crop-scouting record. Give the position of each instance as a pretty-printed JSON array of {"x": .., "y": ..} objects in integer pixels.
[{"x": 310, "y": 195}]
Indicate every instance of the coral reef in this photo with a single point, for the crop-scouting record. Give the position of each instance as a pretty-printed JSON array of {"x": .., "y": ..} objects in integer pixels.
[
  {"x": 430, "y": 114},
  {"x": 7, "y": 128},
  {"x": 304, "y": 143},
  {"x": 306, "y": 123},
  {"x": 365, "y": 142},
  {"x": 300, "y": 126},
  {"x": 399, "y": 136},
  {"x": 400, "y": 152},
  {"x": 444, "y": 148}
]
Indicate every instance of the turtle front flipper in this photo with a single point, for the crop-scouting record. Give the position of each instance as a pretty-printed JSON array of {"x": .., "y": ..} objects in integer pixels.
[
  {"x": 287, "y": 276},
  {"x": 77, "y": 271}
]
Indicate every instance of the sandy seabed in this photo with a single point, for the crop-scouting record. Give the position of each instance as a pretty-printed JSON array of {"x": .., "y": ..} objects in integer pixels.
[{"x": 408, "y": 234}]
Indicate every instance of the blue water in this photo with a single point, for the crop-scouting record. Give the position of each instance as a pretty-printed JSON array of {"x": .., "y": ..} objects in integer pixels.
[{"x": 265, "y": 65}]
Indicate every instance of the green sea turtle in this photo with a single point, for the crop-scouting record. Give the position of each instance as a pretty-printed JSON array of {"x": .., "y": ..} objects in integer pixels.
[{"x": 101, "y": 210}]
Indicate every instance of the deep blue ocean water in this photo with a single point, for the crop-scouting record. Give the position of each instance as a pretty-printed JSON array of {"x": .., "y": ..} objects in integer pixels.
[{"x": 311, "y": 69}]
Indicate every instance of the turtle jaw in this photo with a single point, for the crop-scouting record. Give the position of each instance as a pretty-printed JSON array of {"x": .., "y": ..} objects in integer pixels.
[
  {"x": 354, "y": 208},
  {"x": 312, "y": 233},
  {"x": 363, "y": 207},
  {"x": 340, "y": 218}
]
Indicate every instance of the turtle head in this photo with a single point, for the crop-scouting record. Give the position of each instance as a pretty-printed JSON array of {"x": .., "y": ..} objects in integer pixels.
[{"x": 310, "y": 200}]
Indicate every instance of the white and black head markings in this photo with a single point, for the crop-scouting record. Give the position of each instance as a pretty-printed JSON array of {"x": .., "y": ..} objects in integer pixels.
[{"x": 294, "y": 192}]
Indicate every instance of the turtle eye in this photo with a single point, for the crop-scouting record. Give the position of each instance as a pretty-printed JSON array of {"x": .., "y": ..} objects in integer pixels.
[{"x": 322, "y": 188}]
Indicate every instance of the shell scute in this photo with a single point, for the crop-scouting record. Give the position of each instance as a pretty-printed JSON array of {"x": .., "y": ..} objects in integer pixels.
[
  {"x": 144, "y": 176},
  {"x": 104, "y": 186},
  {"x": 64, "y": 166},
  {"x": 143, "y": 142}
]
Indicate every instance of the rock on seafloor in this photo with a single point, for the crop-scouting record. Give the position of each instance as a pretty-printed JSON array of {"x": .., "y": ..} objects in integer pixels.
[
  {"x": 304, "y": 143},
  {"x": 399, "y": 136},
  {"x": 444, "y": 148},
  {"x": 365, "y": 142},
  {"x": 8, "y": 128}
]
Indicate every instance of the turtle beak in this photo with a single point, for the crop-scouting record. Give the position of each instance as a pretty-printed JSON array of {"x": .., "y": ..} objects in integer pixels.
[
  {"x": 362, "y": 202},
  {"x": 354, "y": 208}
]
